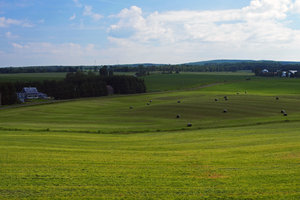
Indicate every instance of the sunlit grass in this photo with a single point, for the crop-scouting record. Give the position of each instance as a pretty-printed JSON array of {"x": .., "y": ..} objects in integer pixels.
[{"x": 99, "y": 148}]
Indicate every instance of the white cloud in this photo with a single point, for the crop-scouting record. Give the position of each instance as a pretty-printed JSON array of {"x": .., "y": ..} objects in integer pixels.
[
  {"x": 77, "y": 3},
  {"x": 72, "y": 17},
  {"x": 257, "y": 31},
  {"x": 45, "y": 53},
  {"x": 6, "y": 22},
  {"x": 88, "y": 12},
  {"x": 9, "y": 35},
  {"x": 17, "y": 46},
  {"x": 296, "y": 6}
]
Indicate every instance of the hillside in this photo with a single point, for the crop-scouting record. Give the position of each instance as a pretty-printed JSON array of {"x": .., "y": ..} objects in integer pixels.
[{"x": 135, "y": 146}]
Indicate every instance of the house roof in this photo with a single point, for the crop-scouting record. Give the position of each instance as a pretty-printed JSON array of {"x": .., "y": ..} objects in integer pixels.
[
  {"x": 30, "y": 90},
  {"x": 293, "y": 71}
]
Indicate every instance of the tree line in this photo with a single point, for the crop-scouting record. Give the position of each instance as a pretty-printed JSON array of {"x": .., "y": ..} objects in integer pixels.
[
  {"x": 144, "y": 69},
  {"x": 254, "y": 66},
  {"x": 75, "y": 85}
]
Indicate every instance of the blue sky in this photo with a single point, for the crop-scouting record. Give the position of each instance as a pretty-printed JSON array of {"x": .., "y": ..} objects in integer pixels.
[{"x": 88, "y": 32}]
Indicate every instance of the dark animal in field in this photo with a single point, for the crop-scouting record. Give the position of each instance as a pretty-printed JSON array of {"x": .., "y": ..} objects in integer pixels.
[
  {"x": 225, "y": 111},
  {"x": 148, "y": 104},
  {"x": 216, "y": 99},
  {"x": 277, "y": 98},
  {"x": 178, "y": 116},
  {"x": 178, "y": 101},
  {"x": 150, "y": 101},
  {"x": 226, "y": 98},
  {"x": 189, "y": 125},
  {"x": 285, "y": 114},
  {"x": 282, "y": 111},
  {"x": 130, "y": 107}
]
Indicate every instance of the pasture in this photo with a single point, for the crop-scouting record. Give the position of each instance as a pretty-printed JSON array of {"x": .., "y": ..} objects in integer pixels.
[
  {"x": 99, "y": 148},
  {"x": 32, "y": 76}
]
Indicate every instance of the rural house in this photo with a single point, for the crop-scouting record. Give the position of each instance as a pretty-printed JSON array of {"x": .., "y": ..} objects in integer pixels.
[{"x": 30, "y": 93}]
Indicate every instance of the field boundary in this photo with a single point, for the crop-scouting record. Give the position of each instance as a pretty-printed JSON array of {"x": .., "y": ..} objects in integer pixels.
[
  {"x": 68, "y": 100},
  {"x": 149, "y": 131}
]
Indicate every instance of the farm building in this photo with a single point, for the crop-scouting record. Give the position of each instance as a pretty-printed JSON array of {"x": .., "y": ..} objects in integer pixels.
[
  {"x": 292, "y": 73},
  {"x": 30, "y": 93},
  {"x": 289, "y": 74}
]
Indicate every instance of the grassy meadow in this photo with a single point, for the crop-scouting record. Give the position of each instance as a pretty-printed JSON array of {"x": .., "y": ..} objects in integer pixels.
[
  {"x": 32, "y": 76},
  {"x": 99, "y": 148}
]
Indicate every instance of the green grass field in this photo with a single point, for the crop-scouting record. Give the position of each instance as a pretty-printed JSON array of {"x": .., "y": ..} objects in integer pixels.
[
  {"x": 98, "y": 148},
  {"x": 186, "y": 80},
  {"x": 32, "y": 76}
]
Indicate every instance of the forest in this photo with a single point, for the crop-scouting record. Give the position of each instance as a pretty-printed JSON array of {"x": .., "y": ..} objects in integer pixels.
[{"x": 76, "y": 85}]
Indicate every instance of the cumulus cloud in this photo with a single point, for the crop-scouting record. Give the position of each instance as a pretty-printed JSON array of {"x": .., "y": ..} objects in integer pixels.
[
  {"x": 6, "y": 22},
  {"x": 88, "y": 11},
  {"x": 258, "y": 31},
  {"x": 296, "y": 6},
  {"x": 247, "y": 32}
]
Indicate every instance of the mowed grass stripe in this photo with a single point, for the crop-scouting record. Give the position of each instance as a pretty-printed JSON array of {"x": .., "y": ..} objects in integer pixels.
[
  {"x": 237, "y": 163},
  {"x": 112, "y": 114}
]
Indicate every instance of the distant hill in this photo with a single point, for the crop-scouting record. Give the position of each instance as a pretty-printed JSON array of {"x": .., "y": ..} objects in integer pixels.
[{"x": 240, "y": 61}]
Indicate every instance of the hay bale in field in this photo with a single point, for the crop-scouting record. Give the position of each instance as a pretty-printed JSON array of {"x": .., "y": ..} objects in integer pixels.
[
  {"x": 189, "y": 125},
  {"x": 225, "y": 111},
  {"x": 178, "y": 116}
]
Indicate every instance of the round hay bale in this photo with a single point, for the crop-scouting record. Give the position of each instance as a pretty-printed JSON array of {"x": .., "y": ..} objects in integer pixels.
[
  {"x": 178, "y": 116},
  {"x": 189, "y": 125},
  {"x": 225, "y": 111}
]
